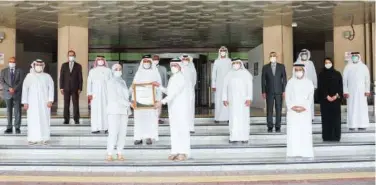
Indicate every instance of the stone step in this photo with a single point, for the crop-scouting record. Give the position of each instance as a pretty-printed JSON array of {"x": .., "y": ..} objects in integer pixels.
[
  {"x": 199, "y": 153},
  {"x": 199, "y": 130},
  {"x": 87, "y": 139}
]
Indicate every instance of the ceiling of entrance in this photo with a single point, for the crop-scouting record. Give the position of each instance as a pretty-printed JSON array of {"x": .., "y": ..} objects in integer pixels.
[{"x": 182, "y": 23}]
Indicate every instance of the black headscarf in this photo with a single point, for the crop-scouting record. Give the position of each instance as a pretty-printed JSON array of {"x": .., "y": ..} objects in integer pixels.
[{"x": 330, "y": 82}]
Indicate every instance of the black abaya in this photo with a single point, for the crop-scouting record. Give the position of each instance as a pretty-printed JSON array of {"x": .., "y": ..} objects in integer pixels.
[{"x": 330, "y": 83}]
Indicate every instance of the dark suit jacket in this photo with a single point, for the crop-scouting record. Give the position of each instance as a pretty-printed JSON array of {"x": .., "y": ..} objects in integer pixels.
[
  {"x": 71, "y": 81},
  {"x": 19, "y": 76},
  {"x": 273, "y": 84}
]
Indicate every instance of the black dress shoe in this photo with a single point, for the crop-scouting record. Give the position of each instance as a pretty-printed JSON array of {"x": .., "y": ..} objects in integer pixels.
[
  {"x": 106, "y": 131},
  {"x": 362, "y": 129},
  {"x": 160, "y": 121},
  {"x": 192, "y": 132},
  {"x": 216, "y": 121},
  {"x": 270, "y": 130},
  {"x": 149, "y": 142},
  {"x": 77, "y": 122},
  {"x": 137, "y": 142},
  {"x": 245, "y": 142},
  {"x": 229, "y": 141},
  {"x": 8, "y": 131},
  {"x": 278, "y": 130},
  {"x": 18, "y": 131},
  {"x": 96, "y": 132},
  {"x": 66, "y": 123}
]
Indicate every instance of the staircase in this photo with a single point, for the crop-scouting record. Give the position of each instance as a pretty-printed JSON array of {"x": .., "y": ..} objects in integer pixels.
[{"x": 74, "y": 148}]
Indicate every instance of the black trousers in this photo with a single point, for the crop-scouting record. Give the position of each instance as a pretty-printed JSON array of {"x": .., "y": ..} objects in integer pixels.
[
  {"x": 14, "y": 103},
  {"x": 75, "y": 100},
  {"x": 272, "y": 100}
]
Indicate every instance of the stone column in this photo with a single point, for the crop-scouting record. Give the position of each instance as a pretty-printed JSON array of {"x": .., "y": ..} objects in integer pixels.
[
  {"x": 278, "y": 37},
  {"x": 8, "y": 27},
  {"x": 73, "y": 35},
  {"x": 341, "y": 45}
]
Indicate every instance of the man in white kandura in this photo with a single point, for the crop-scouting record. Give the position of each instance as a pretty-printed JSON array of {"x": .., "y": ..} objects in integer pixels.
[
  {"x": 37, "y": 98},
  {"x": 191, "y": 75},
  {"x": 356, "y": 88},
  {"x": 221, "y": 67},
  {"x": 304, "y": 58},
  {"x": 97, "y": 94},
  {"x": 299, "y": 95},
  {"x": 163, "y": 72},
  {"x": 178, "y": 98},
  {"x": 146, "y": 120},
  {"x": 118, "y": 110},
  {"x": 237, "y": 95}
]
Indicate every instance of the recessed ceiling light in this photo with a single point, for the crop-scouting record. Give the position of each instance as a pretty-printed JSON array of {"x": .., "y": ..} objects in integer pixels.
[{"x": 294, "y": 24}]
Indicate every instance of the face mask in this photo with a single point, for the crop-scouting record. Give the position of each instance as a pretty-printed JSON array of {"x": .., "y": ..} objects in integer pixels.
[
  {"x": 100, "y": 62},
  {"x": 38, "y": 69},
  {"x": 223, "y": 54},
  {"x": 174, "y": 70},
  {"x": 156, "y": 62},
  {"x": 71, "y": 58},
  {"x": 299, "y": 74},
  {"x": 117, "y": 73},
  {"x": 304, "y": 57},
  {"x": 236, "y": 66},
  {"x": 185, "y": 62},
  {"x": 273, "y": 59},
  {"x": 146, "y": 65},
  {"x": 328, "y": 66},
  {"x": 12, "y": 65},
  {"x": 355, "y": 59}
]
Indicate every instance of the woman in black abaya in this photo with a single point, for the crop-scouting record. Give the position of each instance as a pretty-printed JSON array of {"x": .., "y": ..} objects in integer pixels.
[{"x": 330, "y": 92}]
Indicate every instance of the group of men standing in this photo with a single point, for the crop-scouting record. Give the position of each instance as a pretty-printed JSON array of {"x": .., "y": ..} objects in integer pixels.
[{"x": 231, "y": 81}]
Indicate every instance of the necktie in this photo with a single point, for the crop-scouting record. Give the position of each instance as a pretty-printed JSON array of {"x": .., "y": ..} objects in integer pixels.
[
  {"x": 11, "y": 76},
  {"x": 273, "y": 69},
  {"x": 70, "y": 66}
]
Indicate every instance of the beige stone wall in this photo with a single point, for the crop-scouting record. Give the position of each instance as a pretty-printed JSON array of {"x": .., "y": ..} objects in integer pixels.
[{"x": 8, "y": 46}]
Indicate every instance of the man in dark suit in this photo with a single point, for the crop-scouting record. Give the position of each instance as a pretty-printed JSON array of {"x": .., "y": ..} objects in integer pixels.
[
  {"x": 12, "y": 78},
  {"x": 273, "y": 90},
  {"x": 71, "y": 86}
]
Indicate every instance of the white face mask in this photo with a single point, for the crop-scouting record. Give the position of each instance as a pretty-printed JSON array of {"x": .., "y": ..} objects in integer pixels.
[
  {"x": 38, "y": 69},
  {"x": 304, "y": 57},
  {"x": 12, "y": 65},
  {"x": 222, "y": 53},
  {"x": 117, "y": 73},
  {"x": 71, "y": 58},
  {"x": 185, "y": 62},
  {"x": 174, "y": 70},
  {"x": 299, "y": 74},
  {"x": 100, "y": 62},
  {"x": 146, "y": 65},
  {"x": 273, "y": 59},
  {"x": 328, "y": 66},
  {"x": 236, "y": 66},
  {"x": 156, "y": 62}
]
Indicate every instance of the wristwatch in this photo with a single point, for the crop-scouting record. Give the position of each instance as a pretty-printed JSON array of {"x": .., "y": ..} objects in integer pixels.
[{"x": 337, "y": 95}]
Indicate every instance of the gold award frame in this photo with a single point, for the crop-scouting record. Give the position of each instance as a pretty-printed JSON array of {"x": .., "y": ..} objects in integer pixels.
[{"x": 143, "y": 96}]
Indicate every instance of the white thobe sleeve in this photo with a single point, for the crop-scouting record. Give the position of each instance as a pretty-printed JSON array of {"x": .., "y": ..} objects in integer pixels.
[
  {"x": 309, "y": 99},
  {"x": 214, "y": 75},
  {"x": 25, "y": 90},
  {"x": 367, "y": 80},
  {"x": 194, "y": 77},
  {"x": 314, "y": 75},
  {"x": 89, "y": 84},
  {"x": 250, "y": 88},
  {"x": 225, "y": 88},
  {"x": 158, "y": 92},
  {"x": 177, "y": 89},
  {"x": 345, "y": 80},
  {"x": 51, "y": 89},
  {"x": 163, "y": 90},
  {"x": 289, "y": 95}
]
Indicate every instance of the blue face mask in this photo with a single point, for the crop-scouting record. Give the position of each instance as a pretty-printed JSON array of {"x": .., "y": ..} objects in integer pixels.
[{"x": 355, "y": 59}]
